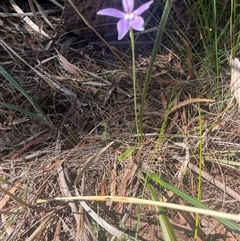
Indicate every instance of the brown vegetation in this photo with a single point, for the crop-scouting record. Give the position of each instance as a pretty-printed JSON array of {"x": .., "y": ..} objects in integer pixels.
[{"x": 88, "y": 98}]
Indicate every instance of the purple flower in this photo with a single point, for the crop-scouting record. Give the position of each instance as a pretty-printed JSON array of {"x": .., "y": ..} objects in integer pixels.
[{"x": 128, "y": 18}]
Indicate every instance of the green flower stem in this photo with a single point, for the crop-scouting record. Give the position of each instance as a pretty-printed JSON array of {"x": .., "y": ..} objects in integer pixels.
[{"x": 134, "y": 81}]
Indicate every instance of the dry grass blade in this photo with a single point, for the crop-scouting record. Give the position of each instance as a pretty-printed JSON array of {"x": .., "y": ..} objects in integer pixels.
[
  {"x": 189, "y": 101},
  {"x": 66, "y": 191},
  {"x": 86, "y": 95},
  {"x": 95, "y": 216},
  {"x": 9, "y": 49},
  {"x": 90, "y": 162},
  {"x": 128, "y": 175},
  {"x": 7, "y": 15},
  {"x": 102, "y": 222},
  {"x": 57, "y": 4},
  {"x": 44, "y": 16},
  {"x": 41, "y": 227},
  {"x": 211, "y": 179},
  {"x": 28, "y": 20},
  {"x": 29, "y": 145},
  {"x": 112, "y": 87},
  {"x": 71, "y": 68},
  {"x": 209, "y": 212},
  {"x": 188, "y": 56},
  {"x": 30, "y": 2},
  {"x": 186, "y": 159},
  {"x": 9, "y": 229},
  {"x": 113, "y": 184},
  {"x": 235, "y": 79},
  {"x": 46, "y": 78}
]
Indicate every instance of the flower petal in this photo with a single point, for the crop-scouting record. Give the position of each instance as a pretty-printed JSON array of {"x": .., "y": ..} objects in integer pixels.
[
  {"x": 142, "y": 8},
  {"x": 122, "y": 27},
  {"x": 128, "y": 5},
  {"x": 137, "y": 23},
  {"x": 112, "y": 12}
]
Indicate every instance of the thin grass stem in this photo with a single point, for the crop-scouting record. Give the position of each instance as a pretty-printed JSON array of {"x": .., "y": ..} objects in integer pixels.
[
  {"x": 200, "y": 168},
  {"x": 139, "y": 132}
]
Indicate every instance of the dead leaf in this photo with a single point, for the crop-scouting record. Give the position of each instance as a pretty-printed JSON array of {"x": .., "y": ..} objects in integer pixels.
[
  {"x": 65, "y": 64},
  {"x": 112, "y": 87},
  {"x": 57, "y": 231},
  {"x": 113, "y": 185},
  {"x": 103, "y": 188},
  {"x": 235, "y": 79},
  {"x": 163, "y": 99},
  {"x": 129, "y": 173},
  {"x": 28, "y": 145},
  {"x": 188, "y": 58},
  {"x": 5, "y": 199}
]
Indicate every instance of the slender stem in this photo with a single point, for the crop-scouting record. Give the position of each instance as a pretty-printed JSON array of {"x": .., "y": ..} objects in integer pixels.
[
  {"x": 200, "y": 145},
  {"x": 216, "y": 43},
  {"x": 134, "y": 81}
]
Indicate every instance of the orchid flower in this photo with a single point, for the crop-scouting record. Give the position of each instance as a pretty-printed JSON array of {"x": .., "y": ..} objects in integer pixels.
[{"x": 128, "y": 18}]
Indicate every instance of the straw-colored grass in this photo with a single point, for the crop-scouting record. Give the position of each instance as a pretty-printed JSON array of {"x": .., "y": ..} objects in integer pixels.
[{"x": 68, "y": 129}]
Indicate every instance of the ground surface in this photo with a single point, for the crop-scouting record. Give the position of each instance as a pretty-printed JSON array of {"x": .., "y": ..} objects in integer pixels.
[{"x": 88, "y": 97}]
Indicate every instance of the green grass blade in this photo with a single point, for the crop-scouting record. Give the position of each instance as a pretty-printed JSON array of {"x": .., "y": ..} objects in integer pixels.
[
  {"x": 125, "y": 155},
  {"x": 166, "y": 226},
  {"x": 25, "y": 112},
  {"x": 14, "y": 197},
  {"x": 230, "y": 163},
  {"x": 229, "y": 224},
  {"x": 16, "y": 85},
  {"x": 5, "y": 181},
  {"x": 73, "y": 135},
  {"x": 160, "y": 31}
]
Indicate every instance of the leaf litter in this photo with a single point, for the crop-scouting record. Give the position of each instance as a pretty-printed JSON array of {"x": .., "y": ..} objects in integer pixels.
[{"x": 32, "y": 165}]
